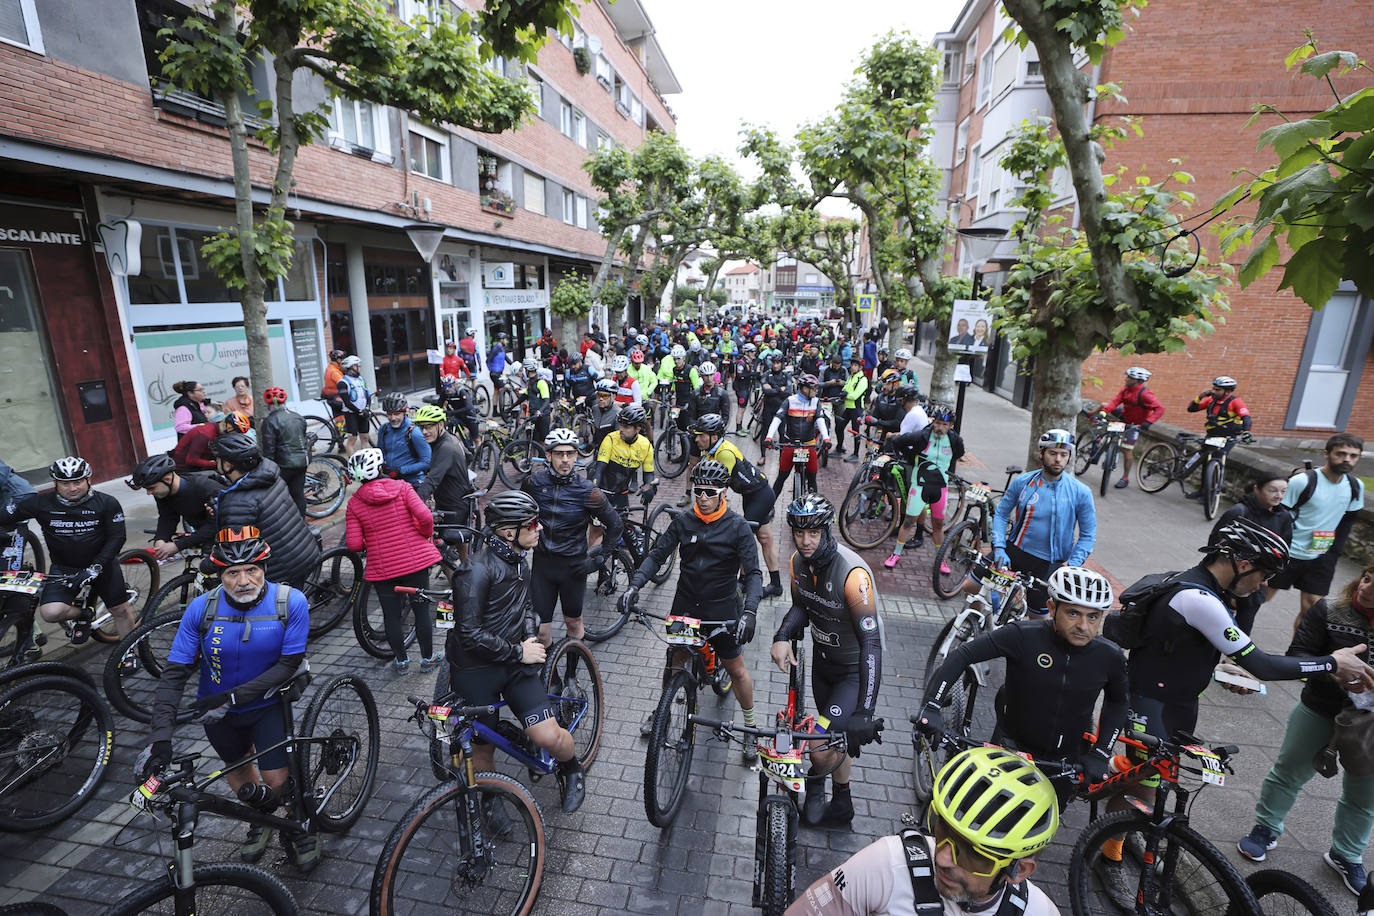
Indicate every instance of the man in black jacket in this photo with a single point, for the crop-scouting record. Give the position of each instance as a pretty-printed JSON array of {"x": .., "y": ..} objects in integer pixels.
[
  {"x": 775, "y": 385},
  {"x": 182, "y": 501},
  {"x": 256, "y": 497},
  {"x": 941, "y": 448},
  {"x": 282, "y": 439},
  {"x": 447, "y": 479}
]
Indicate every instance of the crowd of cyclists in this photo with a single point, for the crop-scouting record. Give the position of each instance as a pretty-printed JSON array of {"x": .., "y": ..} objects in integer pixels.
[{"x": 232, "y": 488}]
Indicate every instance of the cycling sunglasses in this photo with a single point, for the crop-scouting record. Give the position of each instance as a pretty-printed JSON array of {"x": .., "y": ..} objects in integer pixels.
[
  {"x": 965, "y": 857},
  {"x": 707, "y": 492}
]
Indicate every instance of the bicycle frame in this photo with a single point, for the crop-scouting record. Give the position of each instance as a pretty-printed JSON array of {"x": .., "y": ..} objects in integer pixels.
[{"x": 542, "y": 764}]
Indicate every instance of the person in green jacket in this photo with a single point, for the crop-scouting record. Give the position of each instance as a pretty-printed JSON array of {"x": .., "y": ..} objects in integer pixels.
[{"x": 856, "y": 389}]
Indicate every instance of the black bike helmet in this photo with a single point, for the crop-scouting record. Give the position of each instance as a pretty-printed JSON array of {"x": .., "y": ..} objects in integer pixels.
[
  {"x": 238, "y": 547},
  {"x": 238, "y": 449},
  {"x": 710, "y": 473},
  {"x": 633, "y": 416},
  {"x": 150, "y": 470},
  {"x": 394, "y": 401},
  {"x": 908, "y": 393},
  {"x": 810, "y": 511},
  {"x": 808, "y": 380},
  {"x": 712, "y": 424},
  {"x": 1242, "y": 539},
  {"x": 513, "y": 507}
]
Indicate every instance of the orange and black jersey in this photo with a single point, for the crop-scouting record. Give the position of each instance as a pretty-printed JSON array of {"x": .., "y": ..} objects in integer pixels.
[{"x": 1226, "y": 416}]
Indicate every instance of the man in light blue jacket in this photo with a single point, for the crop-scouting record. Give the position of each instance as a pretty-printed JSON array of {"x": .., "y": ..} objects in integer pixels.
[{"x": 1033, "y": 531}]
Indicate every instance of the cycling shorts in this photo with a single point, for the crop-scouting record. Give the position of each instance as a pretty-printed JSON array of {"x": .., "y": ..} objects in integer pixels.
[
  {"x": 109, "y": 585},
  {"x": 916, "y": 504},
  {"x": 555, "y": 580},
  {"x": 240, "y": 734},
  {"x": 813, "y": 463},
  {"x": 835, "y": 690},
  {"x": 723, "y": 642},
  {"x": 758, "y": 506},
  {"x": 1130, "y": 437},
  {"x": 1161, "y": 718},
  {"x": 520, "y": 686},
  {"x": 354, "y": 423}
]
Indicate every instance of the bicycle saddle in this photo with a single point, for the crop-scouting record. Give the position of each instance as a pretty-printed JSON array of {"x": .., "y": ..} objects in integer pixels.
[{"x": 1014, "y": 469}]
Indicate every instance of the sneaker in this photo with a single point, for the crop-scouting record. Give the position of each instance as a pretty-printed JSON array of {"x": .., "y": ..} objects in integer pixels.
[
  {"x": 79, "y": 630},
  {"x": 839, "y": 811},
  {"x": 771, "y": 591},
  {"x": 1195, "y": 495},
  {"x": 1119, "y": 882},
  {"x": 303, "y": 849},
  {"x": 813, "y": 809},
  {"x": 720, "y": 678},
  {"x": 918, "y": 538},
  {"x": 1257, "y": 842},
  {"x": 255, "y": 845},
  {"x": 429, "y": 664},
  {"x": 30, "y": 652},
  {"x": 750, "y": 754},
  {"x": 851, "y": 459},
  {"x": 401, "y": 665},
  {"x": 647, "y": 729},
  {"x": 892, "y": 560},
  {"x": 1123, "y": 483},
  {"x": 1352, "y": 873}
]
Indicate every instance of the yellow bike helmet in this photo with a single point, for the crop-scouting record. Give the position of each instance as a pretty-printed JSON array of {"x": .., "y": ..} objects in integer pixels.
[
  {"x": 430, "y": 414},
  {"x": 1000, "y": 803}
]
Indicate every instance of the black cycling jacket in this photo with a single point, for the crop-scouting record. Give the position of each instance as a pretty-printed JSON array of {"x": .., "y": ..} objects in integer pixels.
[
  {"x": 907, "y": 447},
  {"x": 565, "y": 508},
  {"x": 715, "y": 557},
  {"x": 717, "y": 400},
  {"x": 887, "y": 412},
  {"x": 447, "y": 479},
  {"x": 775, "y": 387},
  {"x": 188, "y": 508},
  {"x": 281, "y": 437},
  {"x": 77, "y": 536},
  {"x": 491, "y": 595},
  {"x": 1046, "y": 703}
]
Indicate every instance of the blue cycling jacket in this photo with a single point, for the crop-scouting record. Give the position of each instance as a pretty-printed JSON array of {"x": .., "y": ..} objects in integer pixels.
[
  {"x": 1045, "y": 514},
  {"x": 405, "y": 449}
]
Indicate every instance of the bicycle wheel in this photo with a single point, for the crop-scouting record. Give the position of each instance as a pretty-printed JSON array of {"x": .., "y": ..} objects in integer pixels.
[
  {"x": 56, "y": 738},
  {"x": 505, "y": 399},
  {"x": 573, "y": 683},
  {"x": 332, "y": 588},
  {"x": 601, "y": 613},
  {"x": 1154, "y": 470},
  {"x": 924, "y": 765},
  {"x": 370, "y": 629},
  {"x": 326, "y": 485},
  {"x": 429, "y": 863},
  {"x": 668, "y": 759},
  {"x": 957, "y": 551},
  {"x": 174, "y": 595},
  {"x": 142, "y": 576},
  {"x": 484, "y": 464},
  {"x": 1282, "y": 893},
  {"x": 340, "y": 773},
  {"x": 134, "y": 668},
  {"x": 1204, "y": 882},
  {"x": 220, "y": 887},
  {"x": 586, "y": 435},
  {"x": 481, "y": 401},
  {"x": 1109, "y": 453},
  {"x": 658, "y": 523},
  {"x": 779, "y": 855},
  {"x": 322, "y": 436},
  {"x": 518, "y": 460},
  {"x": 1211, "y": 489},
  {"x": 869, "y": 515},
  {"x": 1082, "y": 452},
  {"x": 671, "y": 452},
  {"x": 954, "y": 498},
  {"x": 34, "y": 669}
]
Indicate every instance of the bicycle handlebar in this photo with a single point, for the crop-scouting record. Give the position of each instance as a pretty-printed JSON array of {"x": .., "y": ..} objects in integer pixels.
[{"x": 466, "y": 712}]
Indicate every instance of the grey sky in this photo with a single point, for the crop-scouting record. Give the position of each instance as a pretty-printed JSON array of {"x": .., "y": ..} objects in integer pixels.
[{"x": 776, "y": 62}]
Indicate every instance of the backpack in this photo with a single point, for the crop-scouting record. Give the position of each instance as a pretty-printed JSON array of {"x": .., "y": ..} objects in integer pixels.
[
  {"x": 1310, "y": 487},
  {"x": 1126, "y": 627},
  {"x": 211, "y": 612}
]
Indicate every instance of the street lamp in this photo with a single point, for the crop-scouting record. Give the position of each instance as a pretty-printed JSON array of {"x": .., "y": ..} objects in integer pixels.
[
  {"x": 426, "y": 238},
  {"x": 980, "y": 243}
]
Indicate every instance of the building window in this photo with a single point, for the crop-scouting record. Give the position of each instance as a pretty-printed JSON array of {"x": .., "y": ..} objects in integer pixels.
[
  {"x": 605, "y": 73},
  {"x": 1032, "y": 56},
  {"x": 428, "y": 152},
  {"x": 975, "y": 172},
  {"x": 534, "y": 192},
  {"x": 569, "y": 207},
  {"x": 1329, "y": 374},
  {"x": 985, "y": 78},
  {"x": 19, "y": 24},
  {"x": 604, "y": 140},
  {"x": 949, "y": 68},
  {"x": 494, "y": 183},
  {"x": 581, "y": 211},
  {"x": 970, "y": 56},
  {"x": 359, "y": 127},
  {"x": 565, "y": 114},
  {"x": 961, "y": 142},
  {"x": 579, "y": 128},
  {"x": 537, "y": 87},
  {"x": 574, "y": 40}
]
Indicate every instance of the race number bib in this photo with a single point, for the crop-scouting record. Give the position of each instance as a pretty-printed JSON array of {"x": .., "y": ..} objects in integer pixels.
[
  {"x": 443, "y": 615},
  {"x": 1323, "y": 540}
]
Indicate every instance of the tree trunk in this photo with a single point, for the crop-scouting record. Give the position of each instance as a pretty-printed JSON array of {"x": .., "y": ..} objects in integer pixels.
[
  {"x": 942, "y": 387},
  {"x": 1057, "y": 382}
]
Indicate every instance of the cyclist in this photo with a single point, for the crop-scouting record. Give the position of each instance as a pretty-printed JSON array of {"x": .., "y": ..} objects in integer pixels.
[
  {"x": 937, "y": 449},
  {"x": 467, "y": 350},
  {"x": 832, "y": 593},
  {"x": 282, "y": 438},
  {"x": 775, "y": 386},
  {"x": 181, "y": 501},
  {"x": 13, "y": 488},
  {"x": 887, "y": 410},
  {"x": 84, "y": 531},
  {"x": 493, "y": 650},
  {"x": 447, "y": 481},
  {"x": 809, "y": 363},
  {"x": 709, "y": 443},
  {"x": 711, "y": 397},
  {"x": 354, "y": 396},
  {"x": 991, "y": 812},
  {"x": 802, "y": 424},
  {"x": 683, "y": 380},
  {"x": 747, "y": 374},
  {"x": 905, "y": 376},
  {"x": 329, "y": 391},
  {"x": 1063, "y": 657},
  {"x": 627, "y": 390},
  {"x": 249, "y": 633},
  {"x": 453, "y": 364},
  {"x": 833, "y": 378},
  {"x": 1047, "y": 506},
  {"x": 856, "y": 389},
  {"x": 642, "y": 373},
  {"x": 403, "y": 446},
  {"x": 605, "y": 413},
  {"x": 1224, "y": 415},
  {"x": 538, "y": 394},
  {"x": 914, "y": 416},
  {"x": 1139, "y": 407},
  {"x": 192, "y": 451},
  {"x": 458, "y": 408},
  {"x": 719, "y": 564},
  {"x": 257, "y": 497},
  {"x": 497, "y": 358},
  {"x": 619, "y": 458}
]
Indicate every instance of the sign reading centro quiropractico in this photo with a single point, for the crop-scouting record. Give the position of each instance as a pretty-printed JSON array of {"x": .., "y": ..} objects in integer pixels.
[{"x": 212, "y": 356}]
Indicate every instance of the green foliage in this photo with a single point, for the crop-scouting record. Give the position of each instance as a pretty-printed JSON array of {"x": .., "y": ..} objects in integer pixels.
[
  {"x": 270, "y": 243},
  {"x": 582, "y": 59},
  {"x": 1318, "y": 199},
  {"x": 571, "y": 298},
  {"x": 1093, "y": 25},
  {"x": 686, "y": 298}
]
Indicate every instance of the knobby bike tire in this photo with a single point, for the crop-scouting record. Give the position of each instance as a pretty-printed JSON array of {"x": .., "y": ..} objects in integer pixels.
[
  {"x": 602, "y": 617},
  {"x": 35, "y": 669},
  {"x": 586, "y": 435},
  {"x": 1108, "y": 465},
  {"x": 869, "y": 515},
  {"x": 1082, "y": 452},
  {"x": 174, "y": 595},
  {"x": 659, "y": 521},
  {"x": 961, "y": 545},
  {"x": 672, "y": 452},
  {"x": 326, "y": 485},
  {"x": 962, "y": 695},
  {"x": 955, "y": 494},
  {"x": 344, "y": 711},
  {"x": 923, "y": 768},
  {"x": 38, "y": 741},
  {"x": 481, "y": 401},
  {"x": 779, "y": 856},
  {"x": 1282, "y": 893},
  {"x": 333, "y": 589},
  {"x": 1228, "y": 893},
  {"x": 1212, "y": 487},
  {"x": 142, "y": 576},
  {"x": 485, "y": 462},
  {"x": 506, "y": 399},
  {"x": 245, "y": 882},
  {"x": 134, "y": 667},
  {"x": 370, "y": 629},
  {"x": 437, "y": 825},
  {"x": 571, "y": 676},
  {"x": 1154, "y": 470},
  {"x": 518, "y": 460},
  {"x": 668, "y": 758},
  {"x": 322, "y": 436}
]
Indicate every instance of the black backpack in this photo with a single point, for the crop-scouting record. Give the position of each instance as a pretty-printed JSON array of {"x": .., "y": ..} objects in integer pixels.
[
  {"x": 1310, "y": 487},
  {"x": 1126, "y": 627}
]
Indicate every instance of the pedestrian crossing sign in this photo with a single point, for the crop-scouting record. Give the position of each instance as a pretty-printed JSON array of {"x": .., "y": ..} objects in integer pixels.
[{"x": 866, "y": 303}]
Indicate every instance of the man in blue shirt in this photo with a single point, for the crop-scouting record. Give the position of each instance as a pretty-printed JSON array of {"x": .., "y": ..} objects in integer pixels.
[
  {"x": 1033, "y": 531},
  {"x": 403, "y": 445},
  {"x": 249, "y": 636}
]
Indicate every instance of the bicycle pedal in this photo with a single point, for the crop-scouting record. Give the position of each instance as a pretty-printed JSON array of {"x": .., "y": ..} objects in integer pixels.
[{"x": 130, "y": 665}]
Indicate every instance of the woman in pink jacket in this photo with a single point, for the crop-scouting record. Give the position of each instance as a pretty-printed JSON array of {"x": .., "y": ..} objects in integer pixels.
[{"x": 397, "y": 529}]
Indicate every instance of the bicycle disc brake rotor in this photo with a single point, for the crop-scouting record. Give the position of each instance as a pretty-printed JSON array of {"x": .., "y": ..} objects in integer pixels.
[{"x": 337, "y": 752}]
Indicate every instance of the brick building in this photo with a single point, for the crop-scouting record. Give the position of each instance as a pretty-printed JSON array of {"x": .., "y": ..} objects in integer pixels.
[
  {"x": 1191, "y": 72},
  {"x": 89, "y": 136}
]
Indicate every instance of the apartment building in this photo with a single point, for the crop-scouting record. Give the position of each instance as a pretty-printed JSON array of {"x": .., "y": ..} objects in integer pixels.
[
  {"x": 742, "y": 285},
  {"x": 1191, "y": 72},
  {"x": 795, "y": 287},
  {"x": 102, "y": 164}
]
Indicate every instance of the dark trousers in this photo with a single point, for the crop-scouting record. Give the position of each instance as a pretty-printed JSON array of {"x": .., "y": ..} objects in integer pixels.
[
  {"x": 394, "y": 607},
  {"x": 294, "y": 478}
]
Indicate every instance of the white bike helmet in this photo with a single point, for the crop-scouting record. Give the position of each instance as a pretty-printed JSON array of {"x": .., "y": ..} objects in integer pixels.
[
  {"x": 545, "y": 373},
  {"x": 69, "y": 468},
  {"x": 348, "y": 362},
  {"x": 749, "y": 348},
  {"x": 366, "y": 464},
  {"x": 620, "y": 364},
  {"x": 695, "y": 345},
  {"x": 1057, "y": 438},
  {"x": 530, "y": 366},
  {"x": 678, "y": 352},
  {"x": 707, "y": 368},
  {"x": 1083, "y": 587},
  {"x": 561, "y": 436},
  {"x": 1138, "y": 373},
  {"x": 606, "y": 385},
  {"x": 903, "y": 353}
]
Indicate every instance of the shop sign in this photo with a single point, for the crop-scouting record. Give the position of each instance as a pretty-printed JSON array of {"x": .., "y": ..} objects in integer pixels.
[
  {"x": 499, "y": 275},
  {"x": 9, "y": 234},
  {"x": 39, "y": 226},
  {"x": 517, "y": 299},
  {"x": 212, "y": 356}
]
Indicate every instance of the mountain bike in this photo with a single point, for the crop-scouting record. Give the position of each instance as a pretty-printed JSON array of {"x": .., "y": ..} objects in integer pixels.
[
  {"x": 602, "y": 615},
  {"x": 1165, "y": 462},
  {"x": 673, "y": 447},
  {"x": 1281, "y": 893},
  {"x": 332, "y": 759},
  {"x": 576, "y": 416},
  {"x": 876, "y": 501},
  {"x": 326, "y": 485},
  {"x": 520, "y": 454},
  {"x": 1100, "y": 443},
  {"x": 56, "y": 739},
  {"x": 24, "y": 555},
  {"x": 964, "y": 541},
  {"x": 27, "y": 585}
]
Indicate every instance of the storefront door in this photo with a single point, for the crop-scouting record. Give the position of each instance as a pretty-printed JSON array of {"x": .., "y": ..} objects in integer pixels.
[
  {"x": 399, "y": 341},
  {"x": 35, "y": 431}
]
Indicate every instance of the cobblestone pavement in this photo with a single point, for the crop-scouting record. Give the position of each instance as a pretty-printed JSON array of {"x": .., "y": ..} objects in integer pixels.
[{"x": 607, "y": 858}]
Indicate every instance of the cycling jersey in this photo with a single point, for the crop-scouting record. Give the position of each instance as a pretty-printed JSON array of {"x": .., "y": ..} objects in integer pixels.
[
  {"x": 648, "y": 381},
  {"x": 447, "y": 478},
  {"x": 716, "y": 556},
  {"x": 1226, "y": 416},
  {"x": 855, "y": 389},
  {"x": 745, "y": 477},
  {"x": 354, "y": 392},
  {"x": 716, "y": 401},
  {"x": 581, "y": 382},
  {"x": 188, "y": 508},
  {"x": 1138, "y": 405},
  {"x": 800, "y": 420},
  {"x": 89, "y": 533},
  {"x": 1047, "y": 512},
  {"x": 1046, "y": 702},
  {"x": 494, "y": 611},
  {"x": 887, "y": 412},
  {"x": 617, "y": 461},
  {"x": 240, "y": 645},
  {"x": 565, "y": 508},
  {"x": 627, "y": 391},
  {"x": 876, "y": 881},
  {"x": 604, "y": 422},
  {"x": 942, "y": 451},
  {"x": 914, "y": 421}
]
